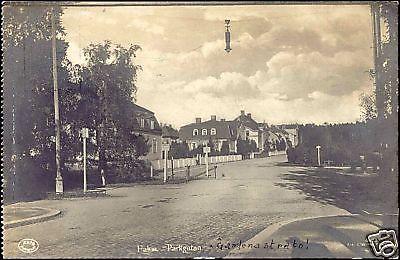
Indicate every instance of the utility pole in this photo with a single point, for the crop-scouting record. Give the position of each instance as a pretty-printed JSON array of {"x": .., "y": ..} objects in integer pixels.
[{"x": 59, "y": 180}]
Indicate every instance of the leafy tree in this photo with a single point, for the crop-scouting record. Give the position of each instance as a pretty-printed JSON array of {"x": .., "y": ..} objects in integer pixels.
[
  {"x": 368, "y": 107},
  {"x": 108, "y": 88},
  {"x": 28, "y": 93},
  {"x": 245, "y": 147},
  {"x": 179, "y": 150},
  {"x": 225, "y": 148}
]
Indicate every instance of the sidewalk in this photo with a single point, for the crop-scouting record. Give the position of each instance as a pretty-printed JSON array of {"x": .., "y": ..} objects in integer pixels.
[
  {"x": 324, "y": 237},
  {"x": 15, "y": 215}
]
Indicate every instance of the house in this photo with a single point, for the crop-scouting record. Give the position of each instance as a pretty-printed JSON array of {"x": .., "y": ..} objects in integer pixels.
[
  {"x": 146, "y": 125},
  {"x": 293, "y": 132},
  {"x": 201, "y": 133},
  {"x": 278, "y": 135},
  {"x": 249, "y": 129}
]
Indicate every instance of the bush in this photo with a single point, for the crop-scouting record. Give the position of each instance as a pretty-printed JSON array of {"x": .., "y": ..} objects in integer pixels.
[{"x": 134, "y": 172}]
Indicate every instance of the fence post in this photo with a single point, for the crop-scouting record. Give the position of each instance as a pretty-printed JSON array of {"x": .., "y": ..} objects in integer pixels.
[{"x": 215, "y": 171}]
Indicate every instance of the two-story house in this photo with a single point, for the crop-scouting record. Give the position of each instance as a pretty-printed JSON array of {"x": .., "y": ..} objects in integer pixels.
[
  {"x": 216, "y": 131},
  {"x": 146, "y": 125},
  {"x": 249, "y": 129}
]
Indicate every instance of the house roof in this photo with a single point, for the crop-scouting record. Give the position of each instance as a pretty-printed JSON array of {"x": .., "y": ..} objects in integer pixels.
[
  {"x": 277, "y": 131},
  {"x": 289, "y": 126},
  {"x": 246, "y": 120},
  {"x": 224, "y": 130},
  {"x": 139, "y": 112}
]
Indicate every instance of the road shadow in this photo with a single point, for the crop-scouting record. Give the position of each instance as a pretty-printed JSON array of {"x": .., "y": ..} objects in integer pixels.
[{"x": 351, "y": 192}]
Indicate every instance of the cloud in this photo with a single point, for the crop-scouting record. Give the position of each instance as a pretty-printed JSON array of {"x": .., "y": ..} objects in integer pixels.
[
  {"x": 289, "y": 63},
  {"x": 228, "y": 84},
  {"x": 146, "y": 26}
]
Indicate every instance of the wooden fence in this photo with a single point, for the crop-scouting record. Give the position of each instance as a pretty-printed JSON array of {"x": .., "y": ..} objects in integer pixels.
[{"x": 179, "y": 163}]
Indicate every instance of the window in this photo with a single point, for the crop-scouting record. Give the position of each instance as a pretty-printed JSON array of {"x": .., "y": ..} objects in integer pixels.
[
  {"x": 151, "y": 124},
  {"x": 203, "y": 131},
  {"x": 142, "y": 122},
  {"x": 195, "y": 132},
  {"x": 213, "y": 131},
  {"x": 193, "y": 145},
  {"x": 154, "y": 146}
]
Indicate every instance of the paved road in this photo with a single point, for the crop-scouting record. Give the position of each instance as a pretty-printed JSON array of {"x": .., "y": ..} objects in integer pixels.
[{"x": 198, "y": 215}]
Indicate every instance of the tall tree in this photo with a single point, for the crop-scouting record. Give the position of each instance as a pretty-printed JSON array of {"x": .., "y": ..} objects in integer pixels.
[
  {"x": 28, "y": 92},
  {"x": 108, "y": 83}
]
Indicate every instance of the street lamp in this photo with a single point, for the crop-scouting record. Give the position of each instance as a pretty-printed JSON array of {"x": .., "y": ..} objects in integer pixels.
[
  {"x": 59, "y": 180},
  {"x": 227, "y": 37},
  {"x": 318, "y": 154}
]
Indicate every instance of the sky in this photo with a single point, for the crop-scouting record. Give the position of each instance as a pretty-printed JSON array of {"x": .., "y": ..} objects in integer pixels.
[{"x": 288, "y": 64}]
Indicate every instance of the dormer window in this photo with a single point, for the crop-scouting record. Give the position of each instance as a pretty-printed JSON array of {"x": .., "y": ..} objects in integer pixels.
[
  {"x": 213, "y": 131},
  {"x": 203, "y": 131},
  {"x": 195, "y": 132}
]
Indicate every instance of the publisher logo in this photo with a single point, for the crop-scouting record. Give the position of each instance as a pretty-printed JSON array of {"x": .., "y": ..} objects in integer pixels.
[
  {"x": 383, "y": 243},
  {"x": 28, "y": 245}
]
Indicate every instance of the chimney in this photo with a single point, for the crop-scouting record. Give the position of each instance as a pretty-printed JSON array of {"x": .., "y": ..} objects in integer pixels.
[
  {"x": 222, "y": 119},
  {"x": 213, "y": 118},
  {"x": 198, "y": 120},
  {"x": 170, "y": 126},
  {"x": 249, "y": 115},
  {"x": 242, "y": 112}
]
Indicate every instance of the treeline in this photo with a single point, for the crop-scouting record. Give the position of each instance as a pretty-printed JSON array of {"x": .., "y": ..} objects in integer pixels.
[{"x": 341, "y": 144}]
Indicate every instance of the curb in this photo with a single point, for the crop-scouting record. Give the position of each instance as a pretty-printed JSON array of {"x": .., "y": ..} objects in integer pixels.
[
  {"x": 22, "y": 222},
  {"x": 270, "y": 230}
]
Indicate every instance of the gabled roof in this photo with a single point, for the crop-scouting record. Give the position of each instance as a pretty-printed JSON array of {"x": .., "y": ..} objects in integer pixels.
[
  {"x": 139, "y": 112},
  {"x": 247, "y": 121},
  {"x": 277, "y": 130},
  {"x": 224, "y": 130}
]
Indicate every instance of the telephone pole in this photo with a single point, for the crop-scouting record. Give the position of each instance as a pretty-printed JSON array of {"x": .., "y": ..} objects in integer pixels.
[{"x": 59, "y": 180}]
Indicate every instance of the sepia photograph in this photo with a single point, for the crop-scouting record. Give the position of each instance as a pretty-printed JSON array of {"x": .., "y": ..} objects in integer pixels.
[{"x": 199, "y": 130}]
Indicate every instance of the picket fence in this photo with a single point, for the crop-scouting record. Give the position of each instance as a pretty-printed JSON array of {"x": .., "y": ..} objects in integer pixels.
[{"x": 183, "y": 162}]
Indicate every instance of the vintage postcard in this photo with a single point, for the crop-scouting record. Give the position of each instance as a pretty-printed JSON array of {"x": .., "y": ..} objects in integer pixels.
[{"x": 200, "y": 129}]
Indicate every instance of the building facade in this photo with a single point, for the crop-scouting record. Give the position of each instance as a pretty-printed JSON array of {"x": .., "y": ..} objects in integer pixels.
[
  {"x": 146, "y": 125},
  {"x": 292, "y": 131},
  {"x": 249, "y": 129},
  {"x": 216, "y": 131}
]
